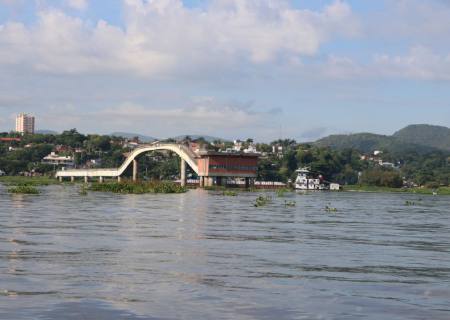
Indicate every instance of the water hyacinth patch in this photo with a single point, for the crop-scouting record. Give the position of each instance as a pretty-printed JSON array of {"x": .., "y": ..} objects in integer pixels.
[
  {"x": 138, "y": 187},
  {"x": 230, "y": 193},
  {"x": 262, "y": 201},
  {"x": 23, "y": 190}
]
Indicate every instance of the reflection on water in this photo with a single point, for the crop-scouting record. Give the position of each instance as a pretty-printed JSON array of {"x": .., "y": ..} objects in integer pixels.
[{"x": 201, "y": 255}]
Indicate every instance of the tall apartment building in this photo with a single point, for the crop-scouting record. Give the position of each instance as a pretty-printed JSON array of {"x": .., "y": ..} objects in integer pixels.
[{"x": 24, "y": 123}]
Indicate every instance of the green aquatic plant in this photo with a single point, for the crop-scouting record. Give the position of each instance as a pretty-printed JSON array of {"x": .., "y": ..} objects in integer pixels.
[
  {"x": 262, "y": 201},
  {"x": 24, "y": 190},
  {"x": 289, "y": 203},
  {"x": 330, "y": 209},
  {"x": 229, "y": 193},
  {"x": 138, "y": 187},
  {"x": 83, "y": 190},
  {"x": 409, "y": 203}
]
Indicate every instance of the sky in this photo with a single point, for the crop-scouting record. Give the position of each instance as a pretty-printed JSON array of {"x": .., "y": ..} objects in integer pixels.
[{"x": 262, "y": 69}]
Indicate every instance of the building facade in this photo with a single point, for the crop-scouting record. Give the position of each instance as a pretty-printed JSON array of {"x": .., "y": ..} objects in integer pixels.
[
  {"x": 24, "y": 123},
  {"x": 58, "y": 160}
]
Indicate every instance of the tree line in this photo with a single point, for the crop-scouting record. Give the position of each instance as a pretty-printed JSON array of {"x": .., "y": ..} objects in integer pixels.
[{"x": 342, "y": 166}]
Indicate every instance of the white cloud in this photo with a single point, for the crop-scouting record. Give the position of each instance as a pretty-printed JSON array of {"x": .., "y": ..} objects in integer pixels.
[
  {"x": 78, "y": 4},
  {"x": 199, "y": 116},
  {"x": 420, "y": 63},
  {"x": 164, "y": 37},
  {"x": 413, "y": 20},
  {"x": 203, "y": 115}
]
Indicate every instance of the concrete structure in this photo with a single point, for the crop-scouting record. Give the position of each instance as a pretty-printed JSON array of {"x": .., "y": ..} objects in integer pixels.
[
  {"x": 25, "y": 123},
  {"x": 215, "y": 167},
  {"x": 211, "y": 167}
]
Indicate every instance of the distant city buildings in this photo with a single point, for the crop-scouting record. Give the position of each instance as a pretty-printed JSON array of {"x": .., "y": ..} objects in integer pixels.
[{"x": 25, "y": 123}]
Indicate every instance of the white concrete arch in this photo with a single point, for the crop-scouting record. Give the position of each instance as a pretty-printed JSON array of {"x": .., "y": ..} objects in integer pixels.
[{"x": 182, "y": 151}]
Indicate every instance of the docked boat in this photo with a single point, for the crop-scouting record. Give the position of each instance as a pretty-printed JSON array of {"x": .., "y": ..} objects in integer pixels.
[{"x": 306, "y": 181}]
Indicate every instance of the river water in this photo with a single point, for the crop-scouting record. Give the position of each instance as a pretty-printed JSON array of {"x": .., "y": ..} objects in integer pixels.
[{"x": 202, "y": 255}]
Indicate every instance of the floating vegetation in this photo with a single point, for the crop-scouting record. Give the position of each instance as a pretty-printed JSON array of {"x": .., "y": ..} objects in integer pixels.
[
  {"x": 138, "y": 187},
  {"x": 83, "y": 190},
  {"x": 229, "y": 193},
  {"x": 330, "y": 209},
  {"x": 24, "y": 190},
  {"x": 262, "y": 201},
  {"x": 289, "y": 203},
  {"x": 409, "y": 203}
]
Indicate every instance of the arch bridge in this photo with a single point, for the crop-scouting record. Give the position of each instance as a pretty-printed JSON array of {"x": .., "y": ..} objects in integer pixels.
[{"x": 209, "y": 166}]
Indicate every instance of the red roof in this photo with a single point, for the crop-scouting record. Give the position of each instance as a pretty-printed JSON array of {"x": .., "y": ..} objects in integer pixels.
[{"x": 10, "y": 139}]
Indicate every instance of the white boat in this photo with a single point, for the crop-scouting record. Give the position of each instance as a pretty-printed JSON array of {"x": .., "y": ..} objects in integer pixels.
[{"x": 305, "y": 181}]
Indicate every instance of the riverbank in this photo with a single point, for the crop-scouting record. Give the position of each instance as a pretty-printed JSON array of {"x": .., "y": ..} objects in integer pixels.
[
  {"x": 170, "y": 187},
  {"x": 361, "y": 188}
]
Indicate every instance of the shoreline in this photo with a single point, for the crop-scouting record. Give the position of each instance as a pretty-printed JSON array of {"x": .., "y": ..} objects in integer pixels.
[
  {"x": 45, "y": 180},
  {"x": 374, "y": 189}
]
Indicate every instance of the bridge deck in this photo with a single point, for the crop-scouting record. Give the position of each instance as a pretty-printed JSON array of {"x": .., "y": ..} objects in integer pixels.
[{"x": 185, "y": 153}]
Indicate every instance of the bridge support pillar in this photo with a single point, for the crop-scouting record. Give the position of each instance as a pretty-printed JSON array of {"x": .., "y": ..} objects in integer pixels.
[
  {"x": 201, "y": 182},
  {"x": 119, "y": 179},
  {"x": 86, "y": 179},
  {"x": 72, "y": 179},
  {"x": 183, "y": 173},
  {"x": 209, "y": 182},
  {"x": 135, "y": 170},
  {"x": 100, "y": 179},
  {"x": 247, "y": 183},
  {"x": 60, "y": 179}
]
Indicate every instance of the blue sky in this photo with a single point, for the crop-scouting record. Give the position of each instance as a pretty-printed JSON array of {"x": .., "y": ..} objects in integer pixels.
[{"x": 232, "y": 68}]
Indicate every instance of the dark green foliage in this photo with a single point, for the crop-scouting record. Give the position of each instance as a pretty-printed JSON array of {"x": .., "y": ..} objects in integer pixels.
[
  {"x": 160, "y": 166},
  {"x": 382, "y": 178},
  {"x": 71, "y": 138}
]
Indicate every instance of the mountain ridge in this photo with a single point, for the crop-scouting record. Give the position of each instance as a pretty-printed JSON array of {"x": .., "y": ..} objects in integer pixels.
[{"x": 421, "y": 138}]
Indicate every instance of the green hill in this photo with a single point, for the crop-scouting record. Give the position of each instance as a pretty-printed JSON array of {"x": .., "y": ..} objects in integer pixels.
[
  {"x": 418, "y": 138},
  {"x": 426, "y": 135},
  {"x": 364, "y": 142}
]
